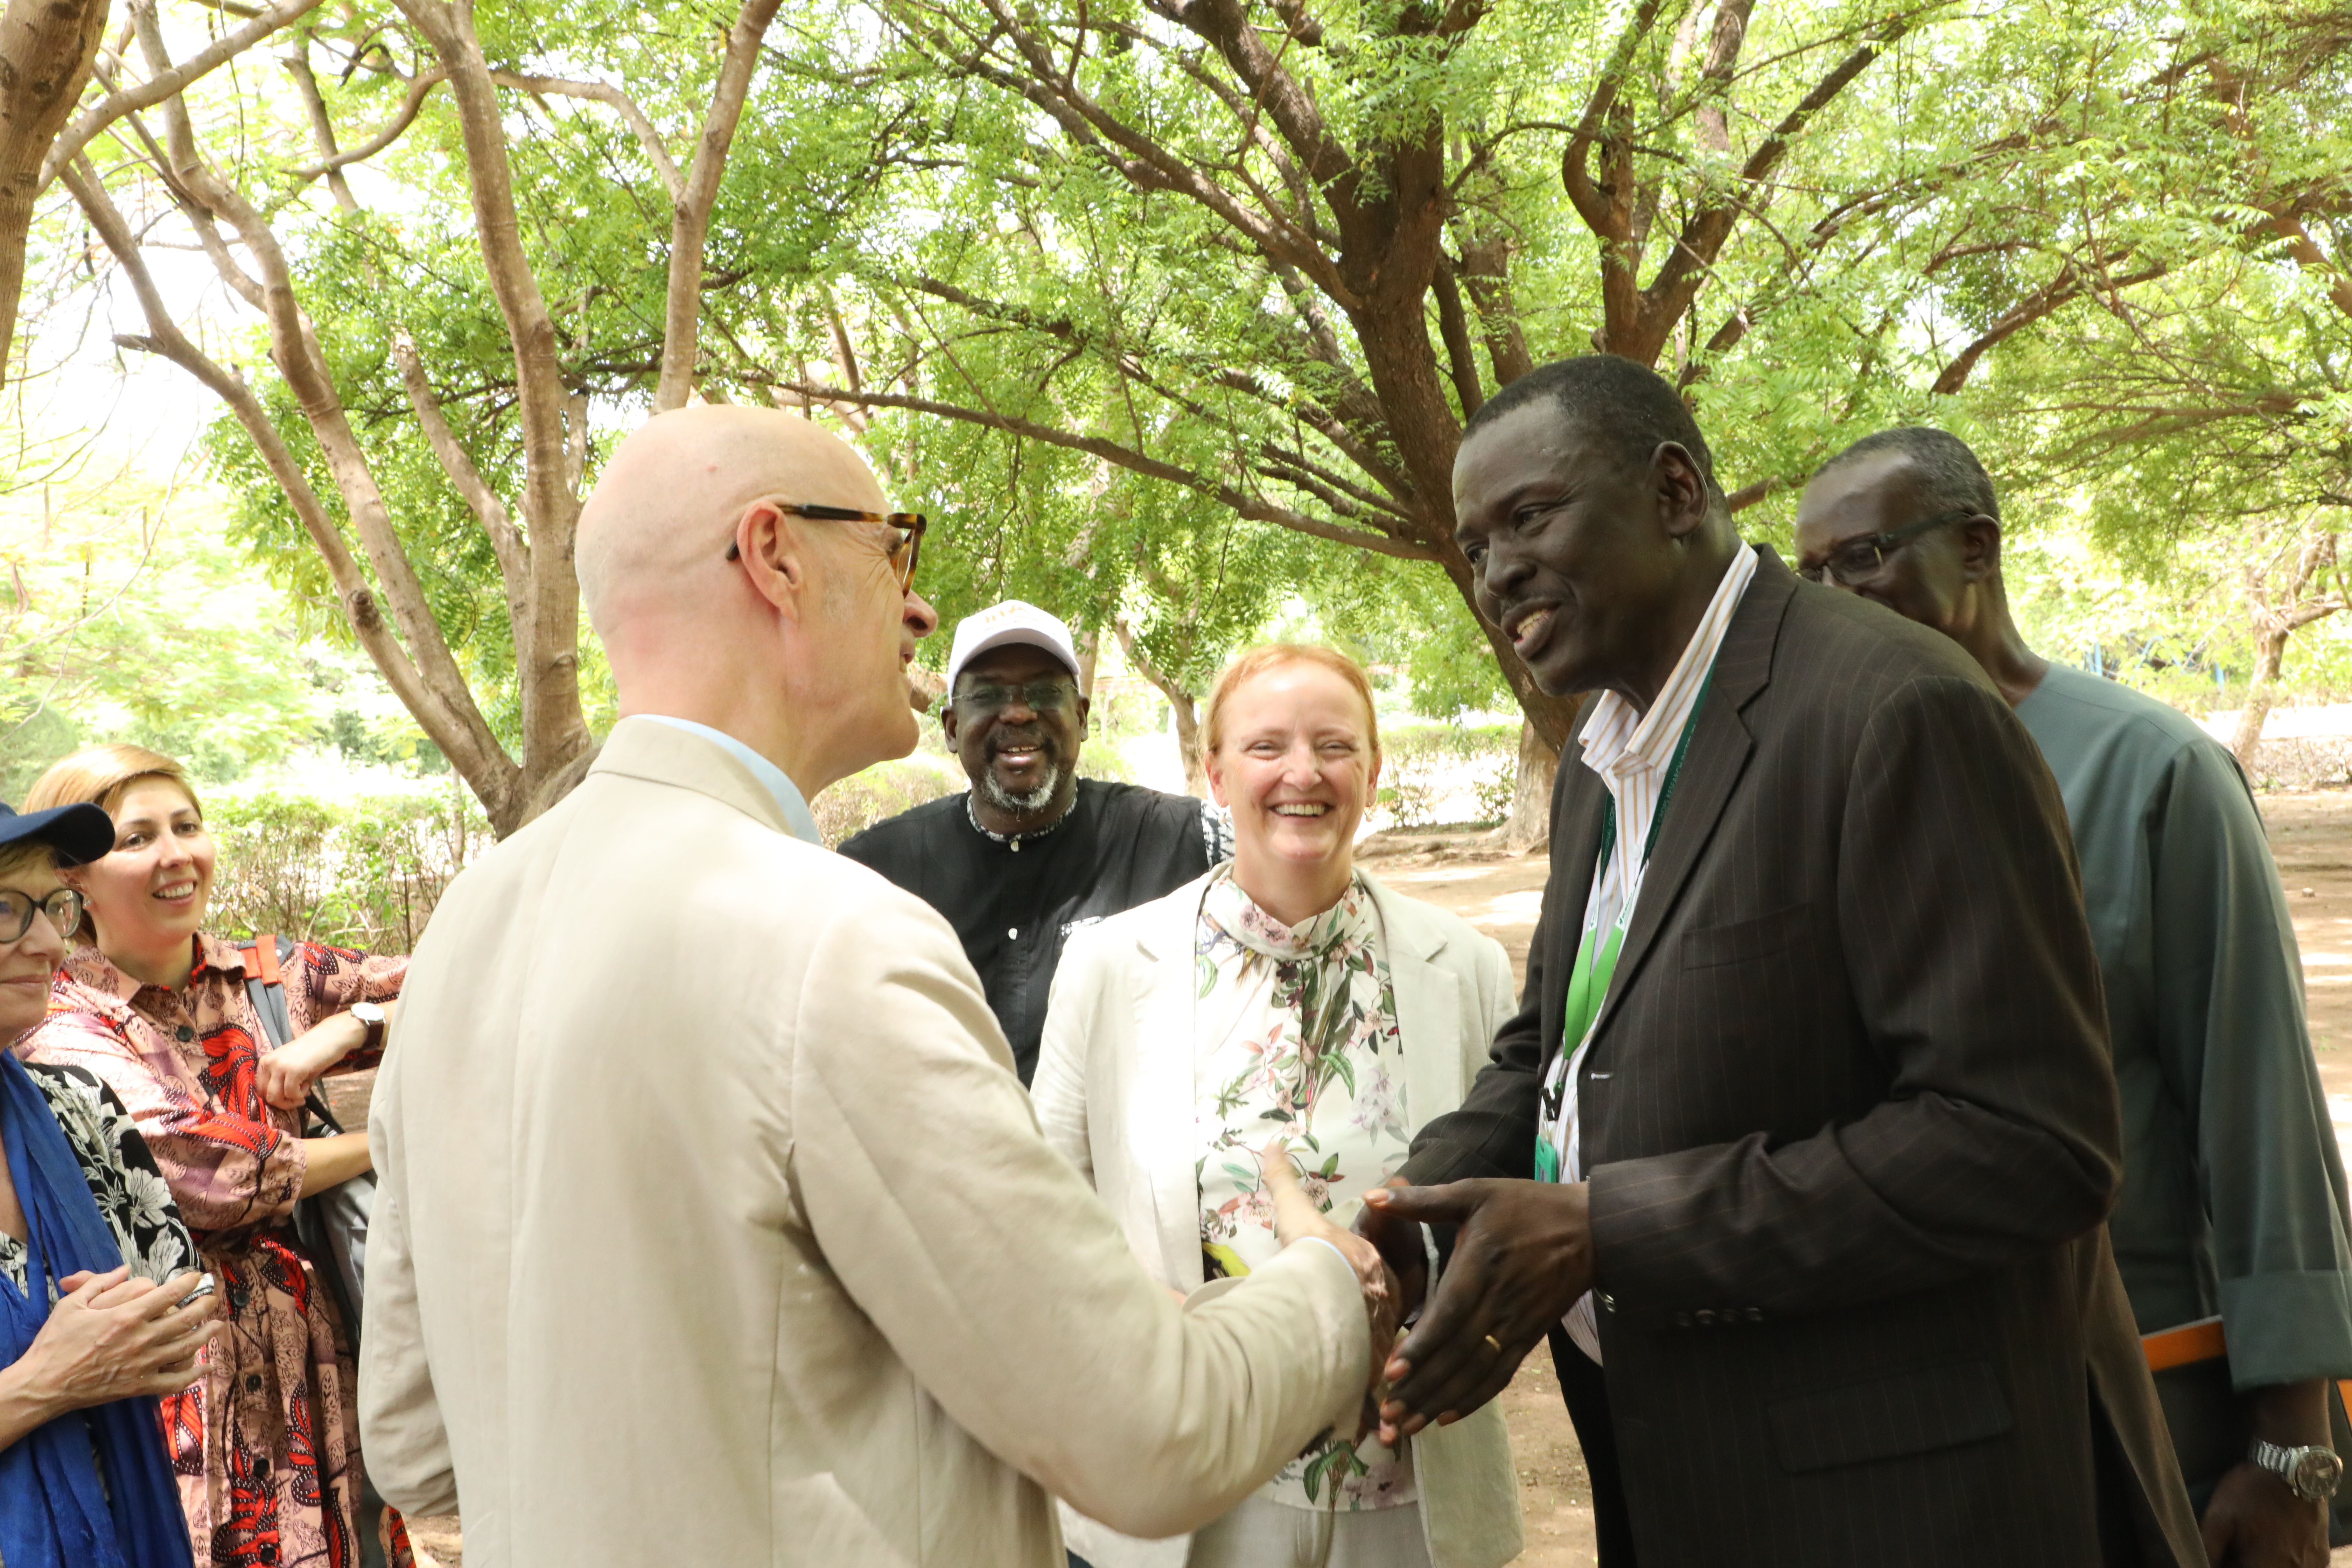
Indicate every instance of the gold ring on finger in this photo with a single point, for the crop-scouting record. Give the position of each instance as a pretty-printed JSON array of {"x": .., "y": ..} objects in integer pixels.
[{"x": 1496, "y": 1343}]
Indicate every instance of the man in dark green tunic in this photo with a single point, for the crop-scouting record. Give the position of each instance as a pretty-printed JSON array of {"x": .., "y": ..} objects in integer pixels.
[{"x": 2232, "y": 1204}]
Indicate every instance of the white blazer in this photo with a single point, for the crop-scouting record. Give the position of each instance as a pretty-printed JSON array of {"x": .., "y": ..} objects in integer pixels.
[
  {"x": 713, "y": 1227},
  {"x": 1115, "y": 1094}
]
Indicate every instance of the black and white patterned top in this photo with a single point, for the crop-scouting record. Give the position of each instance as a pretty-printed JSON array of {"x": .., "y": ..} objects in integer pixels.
[{"x": 130, "y": 1191}]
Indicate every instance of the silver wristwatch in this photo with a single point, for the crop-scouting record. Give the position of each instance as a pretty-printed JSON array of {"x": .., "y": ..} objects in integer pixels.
[
  {"x": 371, "y": 1017},
  {"x": 2312, "y": 1473}
]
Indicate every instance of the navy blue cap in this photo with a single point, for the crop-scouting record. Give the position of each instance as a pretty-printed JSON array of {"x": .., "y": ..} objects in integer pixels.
[{"x": 80, "y": 833}]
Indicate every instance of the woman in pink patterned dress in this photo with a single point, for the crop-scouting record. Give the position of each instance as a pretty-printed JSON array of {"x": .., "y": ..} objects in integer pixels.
[{"x": 266, "y": 1443}]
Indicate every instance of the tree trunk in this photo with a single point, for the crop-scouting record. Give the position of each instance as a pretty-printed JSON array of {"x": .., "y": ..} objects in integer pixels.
[
  {"x": 1530, "y": 820},
  {"x": 1188, "y": 740},
  {"x": 1090, "y": 645},
  {"x": 46, "y": 49},
  {"x": 2261, "y": 694},
  {"x": 1181, "y": 703}
]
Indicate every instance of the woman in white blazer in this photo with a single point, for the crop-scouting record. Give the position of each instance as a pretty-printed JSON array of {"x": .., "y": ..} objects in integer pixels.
[{"x": 1285, "y": 995}]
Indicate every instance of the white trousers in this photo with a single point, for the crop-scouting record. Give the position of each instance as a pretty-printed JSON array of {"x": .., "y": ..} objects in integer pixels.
[{"x": 1262, "y": 1533}]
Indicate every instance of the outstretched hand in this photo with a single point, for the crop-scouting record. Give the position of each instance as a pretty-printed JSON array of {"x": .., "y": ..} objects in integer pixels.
[
  {"x": 1401, "y": 1244},
  {"x": 1296, "y": 1219},
  {"x": 1522, "y": 1255}
]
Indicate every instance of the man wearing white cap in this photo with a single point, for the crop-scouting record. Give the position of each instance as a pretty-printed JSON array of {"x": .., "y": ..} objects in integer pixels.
[{"x": 1033, "y": 851}]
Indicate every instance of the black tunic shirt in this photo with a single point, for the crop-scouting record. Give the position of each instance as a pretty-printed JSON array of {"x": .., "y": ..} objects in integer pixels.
[{"x": 1013, "y": 900}]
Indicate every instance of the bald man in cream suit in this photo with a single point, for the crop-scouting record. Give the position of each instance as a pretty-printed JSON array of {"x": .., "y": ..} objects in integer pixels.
[{"x": 714, "y": 1227}]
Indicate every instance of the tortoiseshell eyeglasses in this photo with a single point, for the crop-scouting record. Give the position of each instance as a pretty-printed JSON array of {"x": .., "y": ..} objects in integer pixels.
[{"x": 905, "y": 551}]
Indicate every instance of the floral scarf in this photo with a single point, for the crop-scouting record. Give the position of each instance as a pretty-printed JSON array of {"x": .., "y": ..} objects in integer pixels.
[{"x": 1295, "y": 1031}]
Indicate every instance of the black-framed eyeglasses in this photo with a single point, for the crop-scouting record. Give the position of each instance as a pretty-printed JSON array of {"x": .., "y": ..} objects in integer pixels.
[
  {"x": 1859, "y": 560},
  {"x": 905, "y": 551},
  {"x": 1048, "y": 696},
  {"x": 63, "y": 906}
]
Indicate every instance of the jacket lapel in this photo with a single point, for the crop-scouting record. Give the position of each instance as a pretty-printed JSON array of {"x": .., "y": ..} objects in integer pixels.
[
  {"x": 1428, "y": 1008},
  {"x": 1161, "y": 1110},
  {"x": 1718, "y": 754}
]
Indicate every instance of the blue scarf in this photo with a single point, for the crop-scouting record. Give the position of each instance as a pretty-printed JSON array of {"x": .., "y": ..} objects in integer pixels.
[{"x": 53, "y": 1511}]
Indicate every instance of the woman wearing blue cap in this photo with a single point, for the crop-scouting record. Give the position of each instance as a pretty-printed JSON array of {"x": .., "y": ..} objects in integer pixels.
[{"x": 99, "y": 1315}]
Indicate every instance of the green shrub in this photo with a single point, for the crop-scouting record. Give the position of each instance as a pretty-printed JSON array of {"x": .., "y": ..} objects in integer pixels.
[
  {"x": 861, "y": 800},
  {"x": 1434, "y": 772},
  {"x": 364, "y": 874}
]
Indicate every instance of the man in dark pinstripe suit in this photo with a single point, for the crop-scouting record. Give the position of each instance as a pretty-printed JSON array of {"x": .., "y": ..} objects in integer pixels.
[{"x": 1819, "y": 1110}]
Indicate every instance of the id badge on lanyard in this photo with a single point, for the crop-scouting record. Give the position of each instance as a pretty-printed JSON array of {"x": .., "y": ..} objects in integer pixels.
[
  {"x": 1596, "y": 965},
  {"x": 1587, "y": 987}
]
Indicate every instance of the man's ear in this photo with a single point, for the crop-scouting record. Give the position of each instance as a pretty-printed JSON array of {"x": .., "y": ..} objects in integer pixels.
[
  {"x": 1682, "y": 490},
  {"x": 1085, "y": 708},
  {"x": 947, "y": 719},
  {"x": 774, "y": 556},
  {"x": 1979, "y": 548}
]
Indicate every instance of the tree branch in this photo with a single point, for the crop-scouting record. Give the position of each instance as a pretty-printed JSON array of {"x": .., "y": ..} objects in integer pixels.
[
  {"x": 690, "y": 218},
  {"x": 1243, "y": 503},
  {"x": 420, "y": 88},
  {"x": 457, "y": 729},
  {"x": 166, "y": 83}
]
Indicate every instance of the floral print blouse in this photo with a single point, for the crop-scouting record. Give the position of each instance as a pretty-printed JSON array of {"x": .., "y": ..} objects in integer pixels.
[
  {"x": 130, "y": 1191},
  {"x": 1295, "y": 1032},
  {"x": 183, "y": 1063}
]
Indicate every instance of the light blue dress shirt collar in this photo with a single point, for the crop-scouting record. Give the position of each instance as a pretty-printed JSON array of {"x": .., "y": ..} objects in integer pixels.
[{"x": 789, "y": 799}]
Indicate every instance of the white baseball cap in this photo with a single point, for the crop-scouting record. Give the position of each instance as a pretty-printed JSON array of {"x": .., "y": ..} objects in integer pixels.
[{"x": 1002, "y": 626}]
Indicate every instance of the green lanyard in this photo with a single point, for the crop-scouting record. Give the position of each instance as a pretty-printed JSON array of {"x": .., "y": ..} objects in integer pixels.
[{"x": 1596, "y": 954}]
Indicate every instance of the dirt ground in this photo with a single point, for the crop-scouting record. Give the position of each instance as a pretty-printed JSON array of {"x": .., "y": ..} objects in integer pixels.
[{"x": 2311, "y": 835}]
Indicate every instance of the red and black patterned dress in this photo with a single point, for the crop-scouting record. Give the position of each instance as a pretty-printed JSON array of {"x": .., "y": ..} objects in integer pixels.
[{"x": 265, "y": 1444}]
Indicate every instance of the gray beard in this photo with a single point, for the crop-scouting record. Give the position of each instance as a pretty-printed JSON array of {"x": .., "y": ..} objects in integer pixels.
[{"x": 1028, "y": 802}]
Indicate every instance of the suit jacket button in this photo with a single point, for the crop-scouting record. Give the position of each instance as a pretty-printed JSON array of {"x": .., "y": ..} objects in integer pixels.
[
  {"x": 1682, "y": 1320},
  {"x": 1706, "y": 1317},
  {"x": 1755, "y": 1315}
]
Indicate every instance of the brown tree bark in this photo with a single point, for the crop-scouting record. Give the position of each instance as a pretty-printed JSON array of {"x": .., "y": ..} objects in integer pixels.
[
  {"x": 1529, "y": 824},
  {"x": 1181, "y": 705},
  {"x": 47, "y": 47},
  {"x": 2310, "y": 592}
]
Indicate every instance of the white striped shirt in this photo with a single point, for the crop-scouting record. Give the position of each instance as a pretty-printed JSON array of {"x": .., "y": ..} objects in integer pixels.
[{"x": 1631, "y": 751}]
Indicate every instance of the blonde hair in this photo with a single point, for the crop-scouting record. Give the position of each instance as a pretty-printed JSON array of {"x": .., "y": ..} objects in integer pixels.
[
  {"x": 1273, "y": 655},
  {"x": 102, "y": 776}
]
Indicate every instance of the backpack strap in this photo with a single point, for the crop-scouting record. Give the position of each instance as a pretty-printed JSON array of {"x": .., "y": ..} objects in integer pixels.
[{"x": 265, "y": 985}]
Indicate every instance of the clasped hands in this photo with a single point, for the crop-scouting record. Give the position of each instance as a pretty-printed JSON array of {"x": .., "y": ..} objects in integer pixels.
[{"x": 1522, "y": 1255}]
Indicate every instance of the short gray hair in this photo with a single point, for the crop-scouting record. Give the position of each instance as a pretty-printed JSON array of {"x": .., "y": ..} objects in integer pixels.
[{"x": 1948, "y": 470}]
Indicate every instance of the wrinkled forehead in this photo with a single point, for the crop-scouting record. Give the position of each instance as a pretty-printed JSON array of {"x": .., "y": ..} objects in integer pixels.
[
  {"x": 29, "y": 869},
  {"x": 1875, "y": 494},
  {"x": 1541, "y": 443}
]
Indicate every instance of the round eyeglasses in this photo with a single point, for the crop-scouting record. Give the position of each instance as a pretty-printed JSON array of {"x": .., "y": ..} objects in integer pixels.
[{"x": 63, "y": 906}]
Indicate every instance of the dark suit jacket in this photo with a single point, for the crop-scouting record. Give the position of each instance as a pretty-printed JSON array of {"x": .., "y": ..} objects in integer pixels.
[{"x": 1850, "y": 1125}]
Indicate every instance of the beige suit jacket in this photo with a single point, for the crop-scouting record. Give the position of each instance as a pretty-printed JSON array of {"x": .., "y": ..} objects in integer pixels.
[
  {"x": 713, "y": 1227},
  {"x": 1117, "y": 1094}
]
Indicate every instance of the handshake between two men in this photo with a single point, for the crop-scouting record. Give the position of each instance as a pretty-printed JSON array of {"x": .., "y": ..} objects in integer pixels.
[{"x": 1521, "y": 1258}]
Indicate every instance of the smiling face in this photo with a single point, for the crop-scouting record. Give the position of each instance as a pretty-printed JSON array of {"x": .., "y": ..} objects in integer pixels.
[
  {"x": 27, "y": 963},
  {"x": 1575, "y": 546},
  {"x": 1016, "y": 721},
  {"x": 153, "y": 889},
  {"x": 1295, "y": 763}
]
